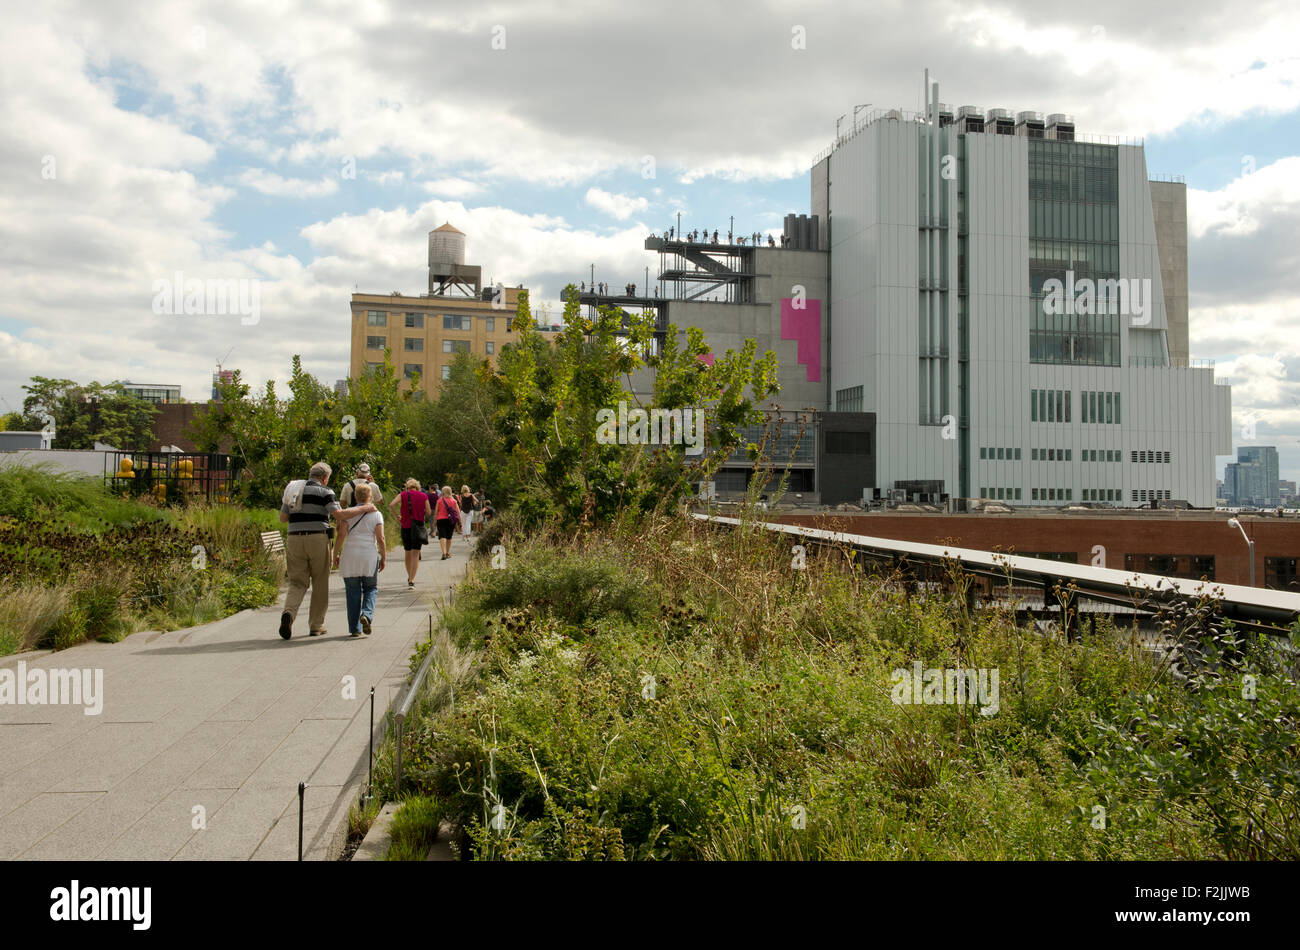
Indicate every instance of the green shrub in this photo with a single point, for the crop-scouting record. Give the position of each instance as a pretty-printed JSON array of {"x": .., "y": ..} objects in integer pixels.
[
  {"x": 68, "y": 630},
  {"x": 414, "y": 829},
  {"x": 27, "y": 614},
  {"x": 246, "y": 593},
  {"x": 102, "y": 602}
]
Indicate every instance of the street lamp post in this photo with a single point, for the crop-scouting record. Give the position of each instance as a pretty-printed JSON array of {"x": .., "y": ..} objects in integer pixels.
[{"x": 1237, "y": 524}]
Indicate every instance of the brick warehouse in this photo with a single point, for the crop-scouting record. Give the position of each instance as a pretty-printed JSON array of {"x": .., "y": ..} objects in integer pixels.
[{"x": 1182, "y": 544}]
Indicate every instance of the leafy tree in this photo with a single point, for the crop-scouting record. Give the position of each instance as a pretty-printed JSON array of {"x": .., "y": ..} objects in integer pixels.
[
  {"x": 554, "y": 404},
  {"x": 275, "y": 440},
  {"x": 84, "y": 415}
]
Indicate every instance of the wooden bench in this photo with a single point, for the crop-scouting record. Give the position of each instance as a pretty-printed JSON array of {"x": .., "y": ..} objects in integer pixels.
[{"x": 273, "y": 541}]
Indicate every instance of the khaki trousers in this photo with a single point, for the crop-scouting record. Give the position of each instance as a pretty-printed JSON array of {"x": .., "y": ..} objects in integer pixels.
[{"x": 307, "y": 558}]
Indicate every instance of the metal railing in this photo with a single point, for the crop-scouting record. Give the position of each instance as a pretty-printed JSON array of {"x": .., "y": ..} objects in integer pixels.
[{"x": 1271, "y": 611}]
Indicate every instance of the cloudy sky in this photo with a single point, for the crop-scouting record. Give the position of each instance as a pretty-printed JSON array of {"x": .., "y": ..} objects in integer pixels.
[{"x": 311, "y": 146}]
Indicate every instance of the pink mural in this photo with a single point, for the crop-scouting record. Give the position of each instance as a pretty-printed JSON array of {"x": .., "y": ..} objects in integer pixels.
[{"x": 804, "y": 327}]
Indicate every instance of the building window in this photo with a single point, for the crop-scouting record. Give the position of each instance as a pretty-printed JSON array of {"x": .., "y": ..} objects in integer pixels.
[
  {"x": 446, "y": 372},
  {"x": 491, "y": 347},
  {"x": 411, "y": 370},
  {"x": 1000, "y": 458},
  {"x": 984, "y": 453},
  {"x": 849, "y": 400},
  {"x": 452, "y": 322},
  {"x": 491, "y": 324},
  {"x": 848, "y": 443},
  {"x": 376, "y": 318},
  {"x": 373, "y": 368},
  {"x": 1017, "y": 455},
  {"x": 415, "y": 321},
  {"x": 376, "y": 342},
  {"x": 1187, "y": 566},
  {"x": 455, "y": 346},
  {"x": 1280, "y": 573},
  {"x": 414, "y": 345}
]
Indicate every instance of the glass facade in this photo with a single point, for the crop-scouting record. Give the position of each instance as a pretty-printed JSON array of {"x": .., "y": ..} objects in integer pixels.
[{"x": 1073, "y": 226}]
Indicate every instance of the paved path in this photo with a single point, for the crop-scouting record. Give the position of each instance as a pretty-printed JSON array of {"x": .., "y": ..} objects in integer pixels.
[{"x": 226, "y": 716}]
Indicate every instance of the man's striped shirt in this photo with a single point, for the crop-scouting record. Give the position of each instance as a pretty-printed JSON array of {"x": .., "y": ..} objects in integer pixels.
[{"x": 314, "y": 515}]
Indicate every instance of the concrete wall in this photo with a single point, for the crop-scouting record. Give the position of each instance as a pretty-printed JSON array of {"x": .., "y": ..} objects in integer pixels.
[
  {"x": 727, "y": 326},
  {"x": 1169, "y": 208},
  {"x": 13, "y": 441},
  {"x": 85, "y": 462}
]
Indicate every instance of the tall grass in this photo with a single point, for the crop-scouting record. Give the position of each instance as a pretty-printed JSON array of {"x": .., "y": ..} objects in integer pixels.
[
  {"x": 681, "y": 692},
  {"x": 56, "y": 601}
]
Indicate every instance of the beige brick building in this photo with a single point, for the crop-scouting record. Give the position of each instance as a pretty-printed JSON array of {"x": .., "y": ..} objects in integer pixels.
[{"x": 426, "y": 332}]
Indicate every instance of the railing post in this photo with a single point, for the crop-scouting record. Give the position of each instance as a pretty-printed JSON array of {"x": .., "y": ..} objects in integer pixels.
[
  {"x": 302, "y": 788},
  {"x": 370, "y": 780}
]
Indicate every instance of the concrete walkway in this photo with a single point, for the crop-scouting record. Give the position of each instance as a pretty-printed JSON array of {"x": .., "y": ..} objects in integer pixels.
[{"x": 227, "y": 718}]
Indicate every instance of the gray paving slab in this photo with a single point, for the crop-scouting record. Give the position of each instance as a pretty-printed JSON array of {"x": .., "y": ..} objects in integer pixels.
[{"x": 226, "y": 716}]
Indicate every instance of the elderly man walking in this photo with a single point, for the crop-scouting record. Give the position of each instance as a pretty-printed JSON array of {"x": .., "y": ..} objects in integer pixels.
[
  {"x": 307, "y": 507},
  {"x": 363, "y": 476}
]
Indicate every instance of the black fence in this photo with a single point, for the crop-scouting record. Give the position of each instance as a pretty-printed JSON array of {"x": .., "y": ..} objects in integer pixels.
[{"x": 172, "y": 477}]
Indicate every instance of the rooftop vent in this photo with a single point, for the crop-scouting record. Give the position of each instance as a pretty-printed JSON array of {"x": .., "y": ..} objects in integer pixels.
[
  {"x": 1030, "y": 124},
  {"x": 1061, "y": 126}
]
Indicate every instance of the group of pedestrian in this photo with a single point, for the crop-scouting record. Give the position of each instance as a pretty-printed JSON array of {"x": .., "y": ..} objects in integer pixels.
[
  {"x": 697, "y": 237},
  {"x": 311, "y": 511},
  {"x": 440, "y": 509}
]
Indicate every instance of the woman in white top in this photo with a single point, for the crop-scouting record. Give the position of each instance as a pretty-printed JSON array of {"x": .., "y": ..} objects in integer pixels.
[{"x": 360, "y": 555}]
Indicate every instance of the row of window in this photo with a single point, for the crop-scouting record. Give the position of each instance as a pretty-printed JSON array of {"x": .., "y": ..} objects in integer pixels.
[
  {"x": 1101, "y": 494},
  {"x": 1001, "y": 494},
  {"x": 1099, "y": 407},
  {"x": 409, "y": 370},
  {"x": 416, "y": 345},
  {"x": 1051, "y": 494},
  {"x": 1149, "y": 494},
  {"x": 989, "y": 454},
  {"x": 1150, "y": 455},
  {"x": 1049, "y": 405},
  {"x": 1189, "y": 566},
  {"x": 415, "y": 321}
]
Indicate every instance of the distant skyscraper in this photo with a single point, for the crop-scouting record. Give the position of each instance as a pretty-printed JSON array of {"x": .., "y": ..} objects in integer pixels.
[{"x": 1252, "y": 479}]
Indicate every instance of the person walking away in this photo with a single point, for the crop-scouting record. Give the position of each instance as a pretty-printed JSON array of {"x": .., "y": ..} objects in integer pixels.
[
  {"x": 347, "y": 494},
  {"x": 446, "y": 516},
  {"x": 467, "y": 508},
  {"x": 411, "y": 506},
  {"x": 361, "y": 555},
  {"x": 307, "y": 507}
]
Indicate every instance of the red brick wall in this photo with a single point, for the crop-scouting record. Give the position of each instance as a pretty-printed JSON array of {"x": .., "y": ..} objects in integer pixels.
[
  {"x": 171, "y": 422},
  {"x": 1119, "y": 535}
]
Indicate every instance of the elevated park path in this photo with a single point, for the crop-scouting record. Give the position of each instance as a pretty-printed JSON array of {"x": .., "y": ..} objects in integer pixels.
[{"x": 206, "y": 732}]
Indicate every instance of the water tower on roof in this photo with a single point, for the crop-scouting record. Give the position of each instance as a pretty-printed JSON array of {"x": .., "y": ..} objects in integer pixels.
[{"x": 448, "y": 271}]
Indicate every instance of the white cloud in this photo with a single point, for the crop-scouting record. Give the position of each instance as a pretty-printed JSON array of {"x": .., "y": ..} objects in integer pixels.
[
  {"x": 452, "y": 187},
  {"x": 618, "y": 206},
  {"x": 269, "y": 183}
]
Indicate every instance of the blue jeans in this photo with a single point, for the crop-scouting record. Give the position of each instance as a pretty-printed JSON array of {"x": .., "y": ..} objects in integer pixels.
[{"x": 361, "y": 593}]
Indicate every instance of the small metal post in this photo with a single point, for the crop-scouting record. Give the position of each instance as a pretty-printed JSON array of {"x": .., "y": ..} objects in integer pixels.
[
  {"x": 397, "y": 768},
  {"x": 370, "y": 782},
  {"x": 302, "y": 787}
]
